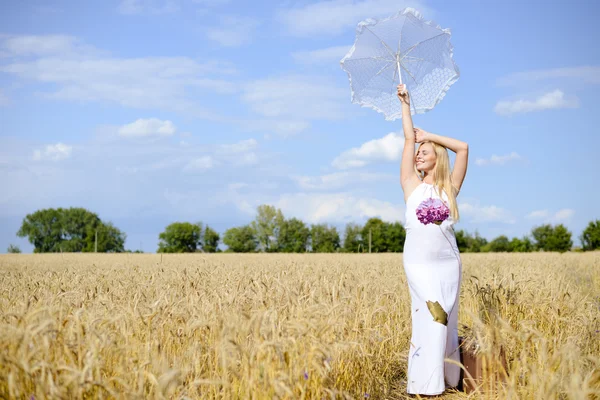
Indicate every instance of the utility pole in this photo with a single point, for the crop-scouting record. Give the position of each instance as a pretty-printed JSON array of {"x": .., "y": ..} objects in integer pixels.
[{"x": 369, "y": 240}]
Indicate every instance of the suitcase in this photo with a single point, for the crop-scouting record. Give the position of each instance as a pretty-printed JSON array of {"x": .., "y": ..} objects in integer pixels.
[{"x": 484, "y": 370}]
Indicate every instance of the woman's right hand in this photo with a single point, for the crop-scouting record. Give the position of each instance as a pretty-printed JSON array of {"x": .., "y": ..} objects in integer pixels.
[
  {"x": 403, "y": 94},
  {"x": 420, "y": 135}
]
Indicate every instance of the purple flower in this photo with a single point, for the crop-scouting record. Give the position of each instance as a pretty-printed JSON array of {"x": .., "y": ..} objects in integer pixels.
[
  {"x": 305, "y": 375},
  {"x": 432, "y": 211}
]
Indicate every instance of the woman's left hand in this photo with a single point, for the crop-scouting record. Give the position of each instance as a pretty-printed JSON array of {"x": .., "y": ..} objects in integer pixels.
[{"x": 420, "y": 135}]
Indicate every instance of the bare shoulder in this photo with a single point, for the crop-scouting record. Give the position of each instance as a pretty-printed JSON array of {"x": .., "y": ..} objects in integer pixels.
[{"x": 409, "y": 186}]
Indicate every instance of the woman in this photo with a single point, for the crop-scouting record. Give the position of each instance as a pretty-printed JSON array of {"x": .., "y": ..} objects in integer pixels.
[{"x": 431, "y": 257}]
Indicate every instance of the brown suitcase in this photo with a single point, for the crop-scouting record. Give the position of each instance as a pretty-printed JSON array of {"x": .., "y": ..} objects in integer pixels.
[{"x": 484, "y": 371}]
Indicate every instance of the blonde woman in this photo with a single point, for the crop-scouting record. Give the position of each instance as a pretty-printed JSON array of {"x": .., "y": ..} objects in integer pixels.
[{"x": 431, "y": 258}]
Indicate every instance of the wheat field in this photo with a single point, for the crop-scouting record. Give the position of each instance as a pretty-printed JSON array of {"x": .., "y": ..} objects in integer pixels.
[{"x": 273, "y": 326}]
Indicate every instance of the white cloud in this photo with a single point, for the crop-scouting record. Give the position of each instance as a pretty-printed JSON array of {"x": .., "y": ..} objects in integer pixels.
[
  {"x": 53, "y": 152},
  {"x": 538, "y": 214},
  {"x": 477, "y": 213},
  {"x": 334, "y": 208},
  {"x": 388, "y": 148},
  {"x": 587, "y": 74},
  {"x": 330, "y": 55},
  {"x": 45, "y": 45},
  {"x": 233, "y": 31},
  {"x": 304, "y": 97},
  {"x": 239, "y": 154},
  {"x": 337, "y": 180},
  {"x": 199, "y": 164},
  {"x": 4, "y": 100},
  {"x": 211, "y": 3},
  {"x": 237, "y": 185},
  {"x": 131, "y": 7},
  {"x": 337, "y": 208},
  {"x": 239, "y": 147},
  {"x": 335, "y": 16},
  {"x": 151, "y": 82},
  {"x": 283, "y": 128},
  {"x": 147, "y": 128},
  {"x": 498, "y": 160},
  {"x": 552, "y": 100},
  {"x": 562, "y": 215}
]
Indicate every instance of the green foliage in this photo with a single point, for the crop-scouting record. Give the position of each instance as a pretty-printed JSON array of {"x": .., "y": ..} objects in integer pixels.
[
  {"x": 590, "y": 238},
  {"x": 12, "y": 249},
  {"x": 499, "y": 245},
  {"x": 181, "y": 237},
  {"x": 467, "y": 243},
  {"x": 477, "y": 243},
  {"x": 521, "y": 245},
  {"x": 241, "y": 239},
  {"x": 210, "y": 242},
  {"x": 70, "y": 230},
  {"x": 110, "y": 239},
  {"x": 267, "y": 226},
  {"x": 385, "y": 237},
  {"x": 324, "y": 239},
  {"x": 462, "y": 240},
  {"x": 293, "y": 236},
  {"x": 395, "y": 235},
  {"x": 374, "y": 232},
  {"x": 352, "y": 239},
  {"x": 541, "y": 234},
  {"x": 549, "y": 238}
]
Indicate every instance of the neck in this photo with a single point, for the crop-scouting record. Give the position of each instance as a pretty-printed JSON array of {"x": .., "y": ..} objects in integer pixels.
[{"x": 428, "y": 178}]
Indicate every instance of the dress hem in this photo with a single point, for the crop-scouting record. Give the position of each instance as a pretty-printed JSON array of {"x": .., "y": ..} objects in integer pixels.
[{"x": 427, "y": 394}]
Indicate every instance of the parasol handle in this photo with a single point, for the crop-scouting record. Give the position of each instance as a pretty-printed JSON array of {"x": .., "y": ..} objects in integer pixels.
[{"x": 399, "y": 71}]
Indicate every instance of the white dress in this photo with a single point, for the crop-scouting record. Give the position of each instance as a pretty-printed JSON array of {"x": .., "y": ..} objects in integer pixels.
[{"x": 433, "y": 270}]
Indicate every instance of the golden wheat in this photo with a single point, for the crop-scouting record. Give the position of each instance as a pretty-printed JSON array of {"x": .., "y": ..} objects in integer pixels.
[{"x": 284, "y": 326}]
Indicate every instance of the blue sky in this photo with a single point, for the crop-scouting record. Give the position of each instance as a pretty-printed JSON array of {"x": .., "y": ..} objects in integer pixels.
[{"x": 154, "y": 111}]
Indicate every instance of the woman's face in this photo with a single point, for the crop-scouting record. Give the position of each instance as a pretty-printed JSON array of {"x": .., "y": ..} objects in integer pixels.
[{"x": 425, "y": 158}]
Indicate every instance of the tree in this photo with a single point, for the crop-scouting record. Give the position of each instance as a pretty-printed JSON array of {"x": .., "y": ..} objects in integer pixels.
[
  {"x": 590, "y": 238},
  {"x": 549, "y": 238},
  {"x": 267, "y": 225},
  {"x": 541, "y": 234},
  {"x": 395, "y": 235},
  {"x": 110, "y": 239},
  {"x": 375, "y": 230},
  {"x": 293, "y": 236},
  {"x": 241, "y": 239},
  {"x": 324, "y": 239},
  {"x": 477, "y": 243},
  {"x": 69, "y": 230},
  {"x": 352, "y": 238},
  {"x": 43, "y": 229},
  {"x": 210, "y": 241},
  {"x": 463, "y": 240},
  {"x": 499, "y": 244},
  {"x": 12, "y": 249},
  {"x": 180, "y": 237},
  {"x": 521, "y": 245},
  {"x": 560, "y": 240}
]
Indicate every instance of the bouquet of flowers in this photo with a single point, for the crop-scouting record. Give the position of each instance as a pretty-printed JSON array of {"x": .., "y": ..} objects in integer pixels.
[{"x": 432, "y": 211}]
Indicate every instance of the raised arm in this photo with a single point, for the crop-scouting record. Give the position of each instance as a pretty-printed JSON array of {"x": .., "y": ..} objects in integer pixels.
[
  {"x": 408, "y": 178},
  {"x": 462, "y": 154}
]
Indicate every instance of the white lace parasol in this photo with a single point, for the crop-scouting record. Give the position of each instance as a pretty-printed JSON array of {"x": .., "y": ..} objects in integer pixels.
[{"x": 403, "y": 48}]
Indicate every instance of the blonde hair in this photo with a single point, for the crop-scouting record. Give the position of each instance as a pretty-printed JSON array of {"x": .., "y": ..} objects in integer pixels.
[{"x": 442, "y": 177}]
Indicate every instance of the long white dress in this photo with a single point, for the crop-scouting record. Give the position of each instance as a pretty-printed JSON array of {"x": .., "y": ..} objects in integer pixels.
[{"x": 433, "y": 270}]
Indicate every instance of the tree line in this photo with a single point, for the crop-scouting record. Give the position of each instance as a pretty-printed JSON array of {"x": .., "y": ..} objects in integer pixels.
[{"x": 80, "y": 230}]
